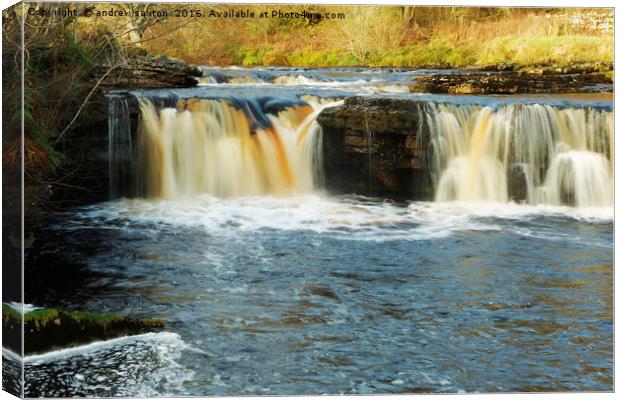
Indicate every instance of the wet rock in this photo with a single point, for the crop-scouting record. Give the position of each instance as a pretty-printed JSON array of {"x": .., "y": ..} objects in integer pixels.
[
  {"x": 50, "y": 329},
  {"x": 88, "y": 141},
  {"x": 517, "y": 183},
  {"x": 371, "y": 146}
]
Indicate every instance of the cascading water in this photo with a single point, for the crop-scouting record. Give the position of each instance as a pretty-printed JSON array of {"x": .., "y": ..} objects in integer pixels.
[
  {"x": 562, "y": 156},
  {"x": 120, "y": 144},
  {"x": 224, "y": 148},
  {"x": 357, "y": 294}
]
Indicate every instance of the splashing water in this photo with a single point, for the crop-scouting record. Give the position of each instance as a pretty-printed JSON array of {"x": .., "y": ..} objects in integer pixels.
[
  {"x": 560, "y": 156},
  {"x": 218, "y": 147}
]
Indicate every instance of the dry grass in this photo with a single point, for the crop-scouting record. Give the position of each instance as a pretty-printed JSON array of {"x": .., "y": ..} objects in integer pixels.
[{"x": 391, "y": 36}]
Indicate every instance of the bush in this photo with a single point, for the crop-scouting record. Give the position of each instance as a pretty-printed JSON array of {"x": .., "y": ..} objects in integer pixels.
[{"x": 275, "y": 58}]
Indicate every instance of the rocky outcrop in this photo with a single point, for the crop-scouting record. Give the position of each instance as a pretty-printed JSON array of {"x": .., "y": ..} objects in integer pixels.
[
  {"x": 371, "y": 146},
  {"x": 508, "y": 79},
  {"x": 48, "y": 329},
  {"x": 88, "y": 141},
  {"x": 149, "y": 72}
]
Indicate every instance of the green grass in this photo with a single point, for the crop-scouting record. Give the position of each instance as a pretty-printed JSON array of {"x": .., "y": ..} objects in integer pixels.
[
  {"x": 47, "y": 315},
  {"x": 541, "y": 50},
  {"x": 441, "y": 52},
  {"x": 322, "y": 58},
  {"x": 269, "y": 56},
  {"x": 437, "y": 52}
]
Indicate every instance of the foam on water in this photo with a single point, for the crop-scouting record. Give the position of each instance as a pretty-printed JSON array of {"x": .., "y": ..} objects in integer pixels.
[
  {"x": 361, "y": 82},
  {"x": 348, "y": 292},
  {"x": 143, "y": 365},
  {"x": 349, "y": 218},
  {"x": 22, "y": 308}
]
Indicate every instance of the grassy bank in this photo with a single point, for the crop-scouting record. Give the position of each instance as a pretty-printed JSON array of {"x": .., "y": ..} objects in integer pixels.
[
  {"x": 395, "y": 37},
  {"x": 441, "y": 52}
]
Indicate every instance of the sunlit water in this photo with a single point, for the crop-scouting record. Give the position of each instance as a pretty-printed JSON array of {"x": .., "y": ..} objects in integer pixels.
[
  {"x": 313, "y": 293},
  {"x": 317, "y": 294}
]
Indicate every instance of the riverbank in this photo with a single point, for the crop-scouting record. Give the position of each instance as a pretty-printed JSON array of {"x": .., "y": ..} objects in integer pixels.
[{"x": 410, "y": 37}]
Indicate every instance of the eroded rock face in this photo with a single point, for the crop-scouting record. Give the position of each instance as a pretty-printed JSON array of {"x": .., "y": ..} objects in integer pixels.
[
  {"x": 371, "y": 147},
  {"x": 507, "y": 79}
]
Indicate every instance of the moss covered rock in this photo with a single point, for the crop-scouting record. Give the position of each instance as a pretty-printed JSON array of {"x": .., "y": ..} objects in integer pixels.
[{"x": 49, "y": 329}]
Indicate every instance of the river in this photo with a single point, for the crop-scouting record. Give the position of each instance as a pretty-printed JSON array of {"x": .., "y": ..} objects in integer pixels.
[{"x": 271, "y": 285}]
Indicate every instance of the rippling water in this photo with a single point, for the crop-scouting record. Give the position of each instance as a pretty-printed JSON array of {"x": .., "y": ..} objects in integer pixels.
[{"x": 322, "y": 294}]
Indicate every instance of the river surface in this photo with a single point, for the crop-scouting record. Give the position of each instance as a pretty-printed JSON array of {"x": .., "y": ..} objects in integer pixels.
[{"x": 322, "y": 294}]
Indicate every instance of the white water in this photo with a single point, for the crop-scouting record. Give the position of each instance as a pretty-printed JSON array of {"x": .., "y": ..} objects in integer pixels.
[
  {"x": 347, "y": 218},
  {"x": 213, "y": 147},
  {"x": 368, "y": 86},
  {"x": 564, "y": 156},
  {"x": 531, "y": 153},
  {"x": 142, "y": 365}
]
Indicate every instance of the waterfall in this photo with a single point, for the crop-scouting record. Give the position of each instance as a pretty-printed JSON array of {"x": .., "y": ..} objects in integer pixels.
[
  {"x": 539, "y": 154},
  {"x": 221, "y": 147},
  {"x": 120, "y": 145}
]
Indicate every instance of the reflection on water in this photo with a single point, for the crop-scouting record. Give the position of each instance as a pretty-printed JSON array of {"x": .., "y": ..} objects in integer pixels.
[{"x": 314, "y": 294}]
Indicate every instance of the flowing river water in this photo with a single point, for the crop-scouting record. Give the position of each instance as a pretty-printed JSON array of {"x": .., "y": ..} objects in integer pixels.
[{"x": 271, "y": 285}]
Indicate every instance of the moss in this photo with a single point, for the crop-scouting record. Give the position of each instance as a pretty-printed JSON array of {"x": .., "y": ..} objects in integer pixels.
[
  {"x": 93, "y": 316},
  {"x": 48, "y": 328},
  {"x": 10, "y": 312},
  {"x": 43, "y": 314}
]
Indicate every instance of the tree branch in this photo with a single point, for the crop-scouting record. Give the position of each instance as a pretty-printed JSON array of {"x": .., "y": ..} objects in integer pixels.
[{"x": 77, "y": 114}]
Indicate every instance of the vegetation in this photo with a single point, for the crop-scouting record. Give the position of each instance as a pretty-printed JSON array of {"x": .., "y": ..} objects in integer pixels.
[
  {"x": 62, "y": 73},
  {"x": 10, "y": 312},
  {"x": 49, "y": 328},
  {"x": 393, "y": 37}
]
